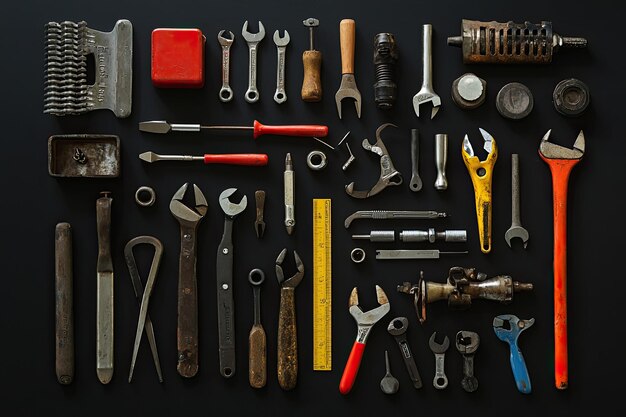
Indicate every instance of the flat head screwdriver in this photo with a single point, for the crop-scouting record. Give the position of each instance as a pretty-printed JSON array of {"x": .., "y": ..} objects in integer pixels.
[{"x": 258, "y": 129}]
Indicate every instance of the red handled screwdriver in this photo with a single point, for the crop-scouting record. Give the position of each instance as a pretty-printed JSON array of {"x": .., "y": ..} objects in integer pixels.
[
  {"x": 161, "y": 126},
  {"x": 250, "y": 159}
]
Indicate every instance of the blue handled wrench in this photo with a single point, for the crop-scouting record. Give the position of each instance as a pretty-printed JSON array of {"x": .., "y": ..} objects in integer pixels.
[{"x": 508, "y": 328}]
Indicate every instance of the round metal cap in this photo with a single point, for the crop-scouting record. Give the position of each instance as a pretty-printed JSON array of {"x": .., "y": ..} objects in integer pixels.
[
  {"x": 571, "y": 97},
  {"x": 469, "y": 91},
  {"x": 514, "y": 101}
]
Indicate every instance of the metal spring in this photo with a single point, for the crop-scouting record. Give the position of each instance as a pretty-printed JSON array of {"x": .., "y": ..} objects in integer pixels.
[
  {"x": 517, "y": 41},
  {"x": 384, "y": 72},
  {"x": 65, "y": 72}
]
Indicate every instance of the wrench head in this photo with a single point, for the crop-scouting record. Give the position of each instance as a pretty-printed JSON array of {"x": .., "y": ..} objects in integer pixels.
[
  {"x": 436, "y": 347},
  {"x": 508, "y": 327},
  {"x": 398, "y": 326},
  {"x": 551, "y": 150},
  {"x": 488, "y": 144},
  {"x": 231, "y": 209},
  {"x": 187, "y": 214},
  {"x": 467, "y": 342},
  {"x": 425, "y": 95},
  {"x": 280, "y": 275},
  {"x": 224, "y": 41},
  {"x": 253, "y": 37},
  {"x": 348, "y": 89},
  {"x": 371, "y": 317},
  {"x": 284, "y": 41},
  {"x": 516, "y": 232}
]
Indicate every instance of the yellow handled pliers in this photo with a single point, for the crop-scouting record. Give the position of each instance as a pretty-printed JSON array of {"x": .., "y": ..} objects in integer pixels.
[{"x": 481, "y": 175}]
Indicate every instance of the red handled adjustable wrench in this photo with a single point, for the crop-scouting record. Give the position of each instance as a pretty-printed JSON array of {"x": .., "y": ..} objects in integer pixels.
[
  {"x": 364, "y": 321},
  {"x": 561, "y": 160}
]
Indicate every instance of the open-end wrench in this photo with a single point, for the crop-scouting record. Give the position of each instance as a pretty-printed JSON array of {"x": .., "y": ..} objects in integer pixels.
[
  {"x": 287, "y": 330},
  {"x": 440, "y": 381},
  {"x": 426, "y": 93},
  {"x": 397, "y": 328},
  {"x": 481, "y": 173},
  {"x": 187, "y": 332},
  {"x": 226, "y": 93},
  {"x": 280, "y": 96},
  {"x": 508, "y": 328},
  {"x": 516, "y": 229},
  {"x": 365, "y": 320},
  {"x": 224, "y": 272},
  {"x": 347, "y": 88},
  {"x": 561, "y": 160},
  {"x": 467, "y": 344},
  {"x": 416, "y": 182},
  {"x": 252, "y": 39}
]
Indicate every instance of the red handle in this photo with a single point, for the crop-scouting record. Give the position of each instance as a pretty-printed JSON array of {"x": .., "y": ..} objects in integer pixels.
[
  {"x": 352, "y": 368},
  {"x": 251, "y": 159},
  {"x": 290, "y": 130},
  {"x": 560, "y": 169}
]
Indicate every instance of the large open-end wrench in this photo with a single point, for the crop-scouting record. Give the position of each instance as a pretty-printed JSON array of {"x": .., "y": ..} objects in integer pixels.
[
  {"x": 224, "y": 273},
  {"x": 252, "y": 39},
  {"x": 426, "y": 93},
  {"x": 365, "y": 320},
  {"x": 508, "y": 328},
  {"x": 397, "y": 328},
  {"x": 187, "y": 332},
  {"x": 280, "y": 96},
  {"x": 561, "y": 160},
  {"x": 226, "y": 93}
]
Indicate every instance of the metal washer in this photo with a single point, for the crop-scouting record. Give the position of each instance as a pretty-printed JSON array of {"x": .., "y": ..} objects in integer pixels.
[
  {"x": 142, "y": 202},
  {"x": 319, "y": 165}
]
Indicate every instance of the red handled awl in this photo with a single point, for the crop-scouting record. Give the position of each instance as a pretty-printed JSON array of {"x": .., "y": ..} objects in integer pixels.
[
  {"x": 161, "y": 126},
  {"x": 251, "y": 159}
]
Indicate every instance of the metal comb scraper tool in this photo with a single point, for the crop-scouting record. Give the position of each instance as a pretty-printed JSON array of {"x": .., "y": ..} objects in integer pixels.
[{"x": 68, "y": 45}]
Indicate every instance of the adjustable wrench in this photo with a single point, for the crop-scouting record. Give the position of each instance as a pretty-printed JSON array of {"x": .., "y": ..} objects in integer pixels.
[
  {"x": 508, "y": 328},
  {"x": 252, "y": 39},
  {"x": 187, "y": 332},
  {"x": 440, "y": 381},
  {"x": 397, "y": 328},
  {"x": 561, "y": 160},
  {"x": 281, "y": 44},
  {"x": 467, "y": 344},
  {"x": 224, "y": 273},
  {"x": 226, "y": 93}
]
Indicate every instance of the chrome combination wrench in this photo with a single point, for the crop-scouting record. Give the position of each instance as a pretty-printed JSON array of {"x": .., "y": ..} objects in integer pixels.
[
  {"x": 280, "y": 96},
  {"x": 226, "y": 93},
  {"x": 252, "y": 39}
]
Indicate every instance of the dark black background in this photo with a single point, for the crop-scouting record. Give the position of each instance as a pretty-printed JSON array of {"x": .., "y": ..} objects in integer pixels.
[{"x": 34, "y": 202}]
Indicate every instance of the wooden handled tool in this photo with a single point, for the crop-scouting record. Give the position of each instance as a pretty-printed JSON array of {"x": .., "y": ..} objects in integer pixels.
[
  {"x": 312, "y": 62},
  {"x": 347, "y": 31},
  {"x": 64, "y": 303}
]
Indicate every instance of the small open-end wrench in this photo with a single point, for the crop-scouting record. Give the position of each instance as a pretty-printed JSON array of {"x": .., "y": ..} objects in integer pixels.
[
  {"x": 226, "y": 93},
  {"x": 187, "y": 332},
  {"x": 516, "y": 229},
  {"x": 426, "y": 93},
  {"x": 467, "y": 344},
  {"x": 252, "y": 39},
  {"x": 287, "y": 330},
  {"x": 365, "y": 320},
  {"x": 347, "y": 88},
  {"x": 481, "y": 173},
  {"x": 397, "y": 328},
  {"x": 416, "y": 182},
  {"x": 259, "y": 223},
  {"x": 280, "y": 96},
  {"x": 440, "y": 381},
  {"x": 224, "y": 273},
  {"x": 508, "y": 328},
  {"x": 561, "y": 160},
  {"x": 257, "y": 343}
]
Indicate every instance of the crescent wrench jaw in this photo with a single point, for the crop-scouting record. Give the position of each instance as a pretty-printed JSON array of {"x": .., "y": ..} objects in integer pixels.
[{"x": 561, "y": 160}]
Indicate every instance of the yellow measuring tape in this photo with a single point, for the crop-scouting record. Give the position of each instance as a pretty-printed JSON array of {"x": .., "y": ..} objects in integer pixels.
[{"x": 322, "y": 286}]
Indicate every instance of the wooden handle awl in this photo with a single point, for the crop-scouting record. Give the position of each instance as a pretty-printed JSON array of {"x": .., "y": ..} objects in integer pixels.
[{"x": 312, "y": 82}]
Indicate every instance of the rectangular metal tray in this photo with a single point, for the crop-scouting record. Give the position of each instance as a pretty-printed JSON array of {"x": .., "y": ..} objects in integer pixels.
[{"x": 101, "y": 152}]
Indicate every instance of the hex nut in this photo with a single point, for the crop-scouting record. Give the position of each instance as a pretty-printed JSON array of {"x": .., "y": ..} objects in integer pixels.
[
  {"x": 316, "y": 160},
  {"x": 469, "y": 91},
  {"x": 571, "y": 97},
  {"x": 514, "y": 101},
  {"x": 357, "y": 255}
]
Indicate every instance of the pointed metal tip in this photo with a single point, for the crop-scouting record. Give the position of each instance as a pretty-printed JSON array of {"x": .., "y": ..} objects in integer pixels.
[
  {"x": 434, "y": 112},
  {"x": 547, "y": 135},
  {"x": 354, "y": 298},
  {"x": 178, "y": 195},
  {"x": 148, "y": 156},
  {"x": 486, "y": 135},
  {"x": 357, "y": 104},
  {"x": 381, "y": 296},
  {"x": 580, "y": 142},
  {"x": 199, "y": 197},
  {"x": 155, "y": 126}
]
